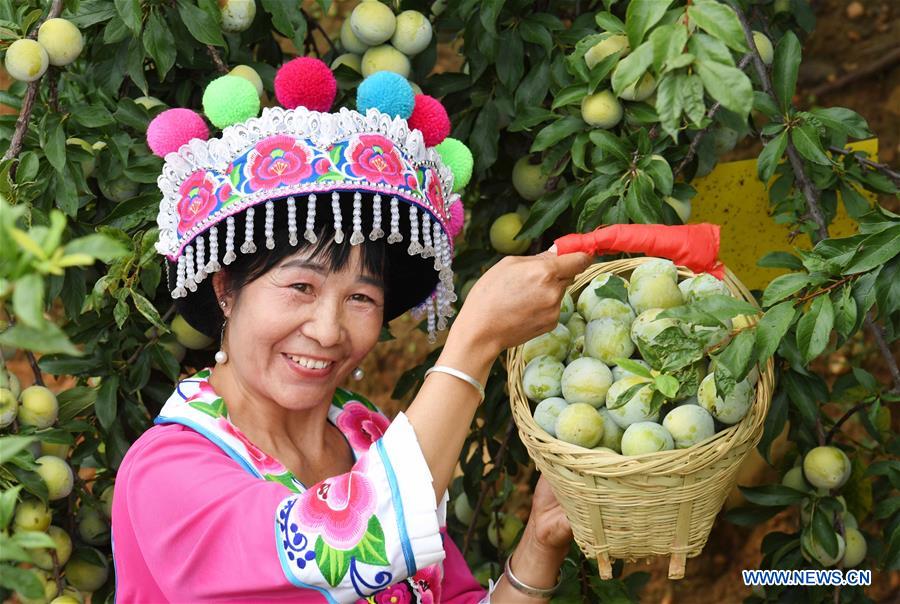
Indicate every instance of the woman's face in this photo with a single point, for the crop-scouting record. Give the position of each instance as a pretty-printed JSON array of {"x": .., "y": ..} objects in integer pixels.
[{"x": 296, "y": 333}]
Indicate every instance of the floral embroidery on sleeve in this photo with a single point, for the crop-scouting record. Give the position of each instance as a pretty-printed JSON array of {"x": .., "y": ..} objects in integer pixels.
[
  {"x": 262, "y": 461},
  {"x": 361, "y": 426}
]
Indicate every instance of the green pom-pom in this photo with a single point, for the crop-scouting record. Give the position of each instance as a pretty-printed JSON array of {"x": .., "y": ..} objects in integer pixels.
[
  {"x": 230, "y": 99},
  {"x": 458, "y": 158}
]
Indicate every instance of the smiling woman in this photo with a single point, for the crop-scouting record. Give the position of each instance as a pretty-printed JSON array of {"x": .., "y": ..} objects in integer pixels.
[{"x": 264, "y": 480}]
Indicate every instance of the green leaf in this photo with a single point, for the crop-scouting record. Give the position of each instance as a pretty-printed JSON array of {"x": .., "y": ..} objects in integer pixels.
[
  {"x": 720, "y": 21},
  {"x": 97, "y": 245},
  {"x": 785, "y": 67},
  {"x": 555, "y": 132},
  {"x": 545, "y": 211},
  {"x": 669, "y": 103},
  {"x": 842, "y": 120},
  {"x": 661, "y": 173},
  {"x": 632, "y": 67},
  {"x": 8, "y": 504},
  {"x": 634, "y": 367},
  {"x": 33, "y": 539},
  {"x": 856, "y": 204},
  {"x": 489, "y": 11},
  {"x": 771, "y": 156},
  {"x": 728, "y": 85},
  {"x": 626, "y": 396},
  {"x": 130, "y": 13},
  {"x": 610, "y": 143},
  {"x": 371, "y": 548},
  {"x": 750, "y": 515},
  {"x": 11, "y": 445},
  {"x": 783, "y": 286},
  {"x": 106, "y": 406},
  {"x": 201, "y": 24},
  {"x": 28, "y": 300},
  {"x": 737, "y": 357},
  {"x": 806, "y": 140},
  {"x": 823, "y": 531},
  {"x": 774, "y": 424},
  {"x": 771, "y": 329},
  {"x": 55, "y": 146},
  {"x": 24, "y": 581},
  {"x": 146, "y": 308},
  {"x": 780, "y": 260},
  {"x": 571, "y": 95},
  {"x": 845, "y": 313},
  {"x": 159, "y": 43},
  {"x": 332, "y": 563},
  {"x": 484, "y": 146},
  {"x": 692, "y": 98},
  {"x": 723, "y": 307},
  {"x": 668, "y": 43},
  {"x": 773, "y": 495},
  {"x": 609, "y": 22},
  {"x": 640, "y": 16},
  {"x": 875, "y": 250},
  {"x": 640, "y": 202},
  {"x": 814, "y": 328},
  {"x": 666, "y": 384}
]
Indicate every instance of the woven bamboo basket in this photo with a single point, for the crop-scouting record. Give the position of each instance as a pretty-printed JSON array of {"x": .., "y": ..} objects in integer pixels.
[{"x": 657, "y": 504}]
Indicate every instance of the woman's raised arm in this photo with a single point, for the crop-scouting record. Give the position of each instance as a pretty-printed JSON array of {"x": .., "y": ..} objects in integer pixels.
[{"x": 514, "y": 301}]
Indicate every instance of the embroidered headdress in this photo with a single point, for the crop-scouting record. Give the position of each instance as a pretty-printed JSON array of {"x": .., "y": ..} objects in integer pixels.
[{"x": 386, "y": 169}]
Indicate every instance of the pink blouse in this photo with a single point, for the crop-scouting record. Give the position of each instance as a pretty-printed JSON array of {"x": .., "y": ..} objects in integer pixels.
[{"x": 200, "y": 514}]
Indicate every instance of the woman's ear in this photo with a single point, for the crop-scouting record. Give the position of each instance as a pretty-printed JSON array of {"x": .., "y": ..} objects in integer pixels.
[{"x": 220, "y": 283}]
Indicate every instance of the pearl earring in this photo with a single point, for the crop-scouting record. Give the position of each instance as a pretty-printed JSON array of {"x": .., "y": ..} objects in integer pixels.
[
  {"x": 358, "y": 374},
  {"x": 222, "y": 356}
]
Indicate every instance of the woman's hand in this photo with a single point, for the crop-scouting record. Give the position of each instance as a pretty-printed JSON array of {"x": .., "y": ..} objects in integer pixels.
[
  {"x": 518, "y": 299},
  {"x": 548, "y": 520}
]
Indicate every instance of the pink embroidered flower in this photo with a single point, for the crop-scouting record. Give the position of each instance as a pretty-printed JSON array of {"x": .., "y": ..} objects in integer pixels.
[
  {"x": 276, "y": 161},
  {"x": 361, "y": 426},
  {"x": 205, "y": 391},
  {"x": 394, "y": 594},
  {"x": 322, "y": 166},
  {"x": 338, "y": 508},
  {"x": 434, "y": 191},
  {"x": 375, "y": 158},
  {"x": 428, "y": 582},
  {"x": 263, "y": 462},
  {"x": 199, "y": 197},
  {"x": 411, "y": 182}
]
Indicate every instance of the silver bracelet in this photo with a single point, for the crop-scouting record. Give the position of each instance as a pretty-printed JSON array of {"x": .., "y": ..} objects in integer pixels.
[
  {"x": 528, "y": 590},
  {"x": 459, "y": 374}
]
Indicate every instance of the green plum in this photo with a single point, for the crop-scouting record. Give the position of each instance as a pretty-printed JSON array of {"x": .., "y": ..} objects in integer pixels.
[
  {"x": 646, "y": 437},
  {"x": 610, "y": 308},
  {"x": 580, "y": 424},
  {"x": 609, "y": 286},
  {"x": 553, "y": 343},
  {"x": 654, "y": 291},
  {"x": 576, "y": 325},
  {"x": 826, "y": 467},
  {"x": 586, "y": 380},
  {"x": 702, "y": 286},
  {"x": 689, "y": 425},
  {"x": 542, "y": 378},
  {"x": 855, "y": 550},
  {"x": 576, "y": 351},
  {"x": 794, "y": 479},
  {"x": 636, "y": 409},
  {"x": 612, "y": 432},
  {"x": 547, "y": 411},
  {"x": 566, "y": 308},
  {"x": 654, "y": 267},
  {"x": 733, "y": 407},
  {"x": 607, "y": 340}
]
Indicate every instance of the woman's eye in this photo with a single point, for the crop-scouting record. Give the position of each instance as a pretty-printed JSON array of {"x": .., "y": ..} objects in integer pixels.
[
  {"x": 362, "y": 298},
  {"x": 305, "y": 288}
]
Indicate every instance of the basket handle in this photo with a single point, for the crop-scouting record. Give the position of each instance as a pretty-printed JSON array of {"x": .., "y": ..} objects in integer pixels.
[{"x": 695, "y": 246}]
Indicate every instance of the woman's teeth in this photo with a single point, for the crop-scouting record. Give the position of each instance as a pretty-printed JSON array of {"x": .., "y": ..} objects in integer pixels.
[{"x": 309, "y": 363}]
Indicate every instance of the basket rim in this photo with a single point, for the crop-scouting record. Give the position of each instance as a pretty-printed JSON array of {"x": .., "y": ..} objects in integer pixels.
[{"x": 606, "y": 464}]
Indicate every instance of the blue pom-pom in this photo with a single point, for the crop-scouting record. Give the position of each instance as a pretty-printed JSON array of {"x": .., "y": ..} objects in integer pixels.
[{"x": 388, "y": 92}]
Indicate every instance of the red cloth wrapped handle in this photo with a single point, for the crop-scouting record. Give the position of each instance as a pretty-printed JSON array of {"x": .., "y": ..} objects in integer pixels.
[{"x": 695, "y": 246}]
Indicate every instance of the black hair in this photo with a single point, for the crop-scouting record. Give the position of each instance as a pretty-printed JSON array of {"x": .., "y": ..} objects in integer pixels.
[{"x": 407, "y": 279}]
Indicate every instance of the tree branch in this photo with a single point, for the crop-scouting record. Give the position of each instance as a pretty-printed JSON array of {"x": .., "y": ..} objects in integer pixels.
[
  {"x": 802, "y": 179},
  {"x": 15, "y": 145},
  {"x": 844, "y": 418},
  {"x": 315, "y": 25},
  {"x": 868, "y": 163},
  {"x": 881, "y": 64},
  {"x": 221, "y": 67},
  {"x": 498, "y": 460},
  {"x": 711, "y": 113},
  {"x": 878, "y": 334}
]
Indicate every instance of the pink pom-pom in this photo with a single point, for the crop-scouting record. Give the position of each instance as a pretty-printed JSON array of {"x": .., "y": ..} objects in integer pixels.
[
  {"x": 305, "y": 82},
  {"x": 173, "y": 128},
  {"x": 457, "y": 217},
  {"x": 430, "y": 118}
]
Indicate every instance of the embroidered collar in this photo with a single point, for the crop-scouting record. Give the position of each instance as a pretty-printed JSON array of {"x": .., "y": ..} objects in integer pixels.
[{"x": 196, "y": 404}]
